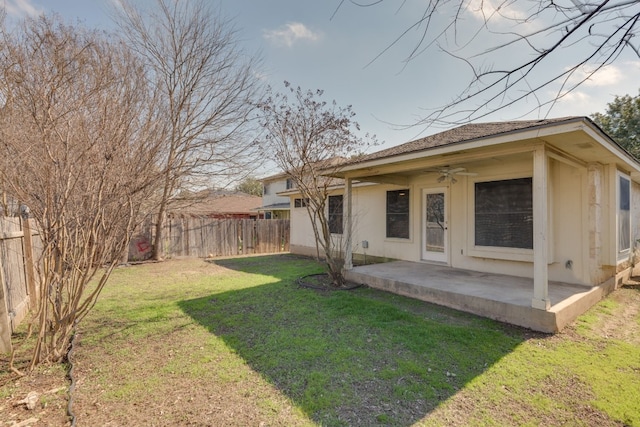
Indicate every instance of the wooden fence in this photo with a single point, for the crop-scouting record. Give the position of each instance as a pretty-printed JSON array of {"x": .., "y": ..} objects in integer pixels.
[
  {"x": 208, "y": 237},
  {"x": 19, "y": 247}
]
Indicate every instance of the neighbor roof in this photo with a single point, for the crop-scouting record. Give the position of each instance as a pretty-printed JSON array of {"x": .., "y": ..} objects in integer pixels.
[
  {"x": 463, "y": 133},
  {"x": 221, "y": 203}
]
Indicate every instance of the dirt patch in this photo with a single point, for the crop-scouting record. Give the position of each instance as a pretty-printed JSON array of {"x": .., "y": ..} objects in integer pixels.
[
  {"x": 564, "y": 399},
  {"x": 50, "y": 385},
  {"x": 165, "y": 395},
  {"x": 623, "y": 323}
]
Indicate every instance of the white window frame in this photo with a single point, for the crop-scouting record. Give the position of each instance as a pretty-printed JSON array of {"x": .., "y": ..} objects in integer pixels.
[
  {"x": 329, "y": 214},
  {"x": 622, "y": 254},
  {"x": 492, "y": 252},
  {"x": 409, "y": 216}
]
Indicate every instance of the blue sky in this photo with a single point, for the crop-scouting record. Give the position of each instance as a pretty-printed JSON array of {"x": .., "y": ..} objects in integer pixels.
[{"x": 302, "y": 41}]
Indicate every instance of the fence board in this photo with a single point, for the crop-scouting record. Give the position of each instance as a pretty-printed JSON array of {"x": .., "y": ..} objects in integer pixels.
[
  {"x": 19, "y": 248},
  {"x": 13, "y": 270},
  {"x": 202, "y": 237}
]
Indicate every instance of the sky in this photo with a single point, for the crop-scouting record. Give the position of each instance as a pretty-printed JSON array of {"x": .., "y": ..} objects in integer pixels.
[{"x": 339, "y": 47}]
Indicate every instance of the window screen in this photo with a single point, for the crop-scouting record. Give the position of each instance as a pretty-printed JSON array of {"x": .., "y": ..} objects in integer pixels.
[
  {"x": 335, "y": 214},
  {"x": 504, "y": 213},
  {"x": 398, "y": 214},
  {"x": 624, "y": 214}
]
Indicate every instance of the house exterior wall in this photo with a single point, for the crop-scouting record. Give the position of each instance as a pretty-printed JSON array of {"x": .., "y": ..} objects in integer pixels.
[
  {"x": 580, "y": 205},
  {"x": 301, "y": 232},
  {"x": 276, "y": 213},
  {"x": 271, "y": 190}
]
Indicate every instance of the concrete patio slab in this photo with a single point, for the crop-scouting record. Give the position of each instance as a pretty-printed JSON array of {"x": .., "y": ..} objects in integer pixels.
[{"x": 500, "y": 297}]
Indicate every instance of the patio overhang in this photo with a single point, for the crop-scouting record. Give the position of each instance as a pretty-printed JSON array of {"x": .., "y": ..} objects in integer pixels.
[{"x": 536, "y": 151}]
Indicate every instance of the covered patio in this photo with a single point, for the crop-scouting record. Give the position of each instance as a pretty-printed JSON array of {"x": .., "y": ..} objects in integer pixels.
[{"x": 496, "y": 296}]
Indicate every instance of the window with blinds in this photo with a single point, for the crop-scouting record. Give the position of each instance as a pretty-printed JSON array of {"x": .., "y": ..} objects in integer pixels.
[
  {"x": 335, "y": 214},
  {"x": 398, "y": 214},
  {"x": 504, "y": 213}
]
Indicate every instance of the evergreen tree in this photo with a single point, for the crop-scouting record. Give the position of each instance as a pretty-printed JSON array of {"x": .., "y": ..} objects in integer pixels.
[{"x": 621, "y": 121}]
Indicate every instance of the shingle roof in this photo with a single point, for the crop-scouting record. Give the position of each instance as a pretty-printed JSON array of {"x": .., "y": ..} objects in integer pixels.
[
  {"x": 463, "y": 133},
  {"x": 221, "y": 204}
]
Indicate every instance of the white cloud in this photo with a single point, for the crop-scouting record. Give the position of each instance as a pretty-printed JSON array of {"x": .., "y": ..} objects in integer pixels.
[
  {"x": 607, "y": 76},
  {"x": 614, "y": 79},
  {"x": 600, "y": 89},
  {"x": 577, "y": 97},
  {"x": 20, "y": 8},
  {"x": 289, "y": 34},
  {"x": 483, "y": 9}
]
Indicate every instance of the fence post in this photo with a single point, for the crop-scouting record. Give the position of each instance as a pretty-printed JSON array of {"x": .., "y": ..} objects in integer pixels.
[
  {"x": 5, "y": 320},
  {"x": 29, "y": 266}
]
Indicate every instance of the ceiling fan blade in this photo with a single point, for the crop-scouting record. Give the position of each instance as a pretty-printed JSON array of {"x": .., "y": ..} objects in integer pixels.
[{"x": 456, "y": 170}]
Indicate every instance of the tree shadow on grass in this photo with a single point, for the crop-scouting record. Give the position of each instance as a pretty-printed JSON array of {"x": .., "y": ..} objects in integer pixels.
[{"x": 357, "y": 358}]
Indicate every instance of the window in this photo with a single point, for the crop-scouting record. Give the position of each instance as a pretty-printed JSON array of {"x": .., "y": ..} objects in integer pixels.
[
  {"x": 504, "y": 213},
  {"x": 300, "y": 203},
  {"x": 398, "y": 214},
  {"x": 289, "y": 183},
  {"x": 335, "y": 214},
  {"x": 624, "y": 214},
  {"x": 267, "y": 215},
  {"x": 265, "y": 190}
]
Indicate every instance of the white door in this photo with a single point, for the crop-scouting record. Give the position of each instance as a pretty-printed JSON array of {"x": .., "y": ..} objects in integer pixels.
[{"x": 434, "y": 225}]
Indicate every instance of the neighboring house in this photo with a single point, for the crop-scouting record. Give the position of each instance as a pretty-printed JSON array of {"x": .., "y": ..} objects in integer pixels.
[
  {"x": 553, "y": 205},
  {"x": 220, "y": 204},
  {"x": 275, "y": 206}
]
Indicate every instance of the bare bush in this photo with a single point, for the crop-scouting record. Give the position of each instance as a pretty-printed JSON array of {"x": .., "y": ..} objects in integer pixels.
[
  {"x": 79, "y": 129},
  {"x": 309, "y": 138}
]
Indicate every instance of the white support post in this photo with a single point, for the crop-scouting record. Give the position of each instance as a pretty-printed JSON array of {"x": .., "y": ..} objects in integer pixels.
[
  {"x": 348, "y": 250},
  {"x": 594, "y": 225},
  {"x": 540, "y": 223}
]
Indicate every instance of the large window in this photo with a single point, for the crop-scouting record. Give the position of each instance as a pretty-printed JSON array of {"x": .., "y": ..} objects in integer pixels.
[
  {"x": 624, "y": 214},
  {"x": 335, "y": 214},
  {"x": 398, "y": 214},
  {"x": 504, "y": 213}
]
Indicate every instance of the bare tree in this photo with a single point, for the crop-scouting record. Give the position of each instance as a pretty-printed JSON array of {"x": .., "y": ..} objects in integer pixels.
[
  {"x": 309, "y": 138},
  {"x": 519, "y": 51},
  {"x": 207, "y": 86},
  {"x": 77, "y": 123}
]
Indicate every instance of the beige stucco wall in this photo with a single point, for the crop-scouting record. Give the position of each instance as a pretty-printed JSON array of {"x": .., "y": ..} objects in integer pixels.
[{"x": 576, "y": 248}]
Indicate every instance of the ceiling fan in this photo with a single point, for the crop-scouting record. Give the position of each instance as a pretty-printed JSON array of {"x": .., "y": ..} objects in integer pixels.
[{"x": 447, "y": 173}]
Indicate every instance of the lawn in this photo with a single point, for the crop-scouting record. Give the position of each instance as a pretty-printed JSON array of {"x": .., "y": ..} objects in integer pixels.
[{"x": 238, "y": 342}]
